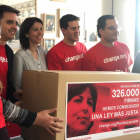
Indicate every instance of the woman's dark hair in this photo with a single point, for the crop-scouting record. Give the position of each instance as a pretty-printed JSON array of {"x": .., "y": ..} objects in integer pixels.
[
  {"x": 24, "y": 29},
  {"x": 76, "y": 89},
  {"x": 101, "y": 23}
]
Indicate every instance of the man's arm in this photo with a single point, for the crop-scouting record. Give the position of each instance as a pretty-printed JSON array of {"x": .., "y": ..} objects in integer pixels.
[
  {"x": 129, "y": 59},
  {"x": 26, "y": 118},
  {"x": 10, "y": 88},
  {"x": 53, "y": 61}
]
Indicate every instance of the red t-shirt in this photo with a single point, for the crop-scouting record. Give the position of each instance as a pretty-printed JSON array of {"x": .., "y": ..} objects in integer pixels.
[
  {"x": 102, "y": 58},
  {"x": 3, "y": 70},
  {"x": 2, "y": 120},
  {"x": 64, "y": 57}
]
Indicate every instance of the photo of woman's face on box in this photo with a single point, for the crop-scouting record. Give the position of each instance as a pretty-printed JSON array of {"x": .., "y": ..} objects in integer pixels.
[{"x": 81, "y": 104}]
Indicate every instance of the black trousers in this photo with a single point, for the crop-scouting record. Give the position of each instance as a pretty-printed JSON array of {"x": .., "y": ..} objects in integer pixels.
[{"x": 4, "y": 134}]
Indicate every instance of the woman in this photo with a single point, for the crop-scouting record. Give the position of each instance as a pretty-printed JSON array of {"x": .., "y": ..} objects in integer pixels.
[
  {"x": 82, "y": 100},
  {"x": 31, "y": 56}
]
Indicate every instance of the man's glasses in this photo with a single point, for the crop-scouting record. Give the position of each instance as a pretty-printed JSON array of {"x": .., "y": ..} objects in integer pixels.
[{"x": 113, "y": 28}]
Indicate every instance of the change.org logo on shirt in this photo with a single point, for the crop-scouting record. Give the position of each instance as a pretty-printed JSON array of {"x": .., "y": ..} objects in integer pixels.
[
  {"x": 115, "y": 58},
  {"x": 74, "y": 58},
  {"x": 3, "y": 60}
]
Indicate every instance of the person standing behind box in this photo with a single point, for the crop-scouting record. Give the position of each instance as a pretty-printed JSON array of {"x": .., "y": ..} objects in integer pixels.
[
  {"x": 67, "y": 54},
  {"x": 108, "y": 54},
  {"x": 12, "y": 113},
  {"x": 31, "y": 56}
]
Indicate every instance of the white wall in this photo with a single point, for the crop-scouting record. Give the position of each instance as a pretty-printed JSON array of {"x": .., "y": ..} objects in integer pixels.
[
  {"x": 124, "y": 10},
  {"x": 89, "y": 9},
  {"x": 101, "y": 7},
  {"x": 106, "y": 7}
]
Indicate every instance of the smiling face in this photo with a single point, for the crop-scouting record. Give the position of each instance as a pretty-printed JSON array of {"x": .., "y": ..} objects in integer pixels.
[
  {"x": 35, "y": 34},
  {"x": 9, "y": 26},
  {"x": 71, "y": 34},
  {"x": 110, "y": 33},
  {"x": 79, "y": 110}
]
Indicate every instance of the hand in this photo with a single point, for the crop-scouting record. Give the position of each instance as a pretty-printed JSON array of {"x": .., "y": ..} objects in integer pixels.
[
  {"x": 18, "y": 95},
  {"x": 18, "y": 103},
  {"x": 48, "y": 122}
]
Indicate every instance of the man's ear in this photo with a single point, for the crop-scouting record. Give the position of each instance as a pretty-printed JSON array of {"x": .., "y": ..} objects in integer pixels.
[
  {"x": 63, "y": 31},
  {"x": 101, "y": 31}
]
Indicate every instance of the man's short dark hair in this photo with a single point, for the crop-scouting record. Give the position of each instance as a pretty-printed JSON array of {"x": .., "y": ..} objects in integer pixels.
[
  {"x": 6, "y": 8},
  {"x": 24, "y": 29},
  {"x": 67, "y": 18},
  {"x": 101, "y": 23}
]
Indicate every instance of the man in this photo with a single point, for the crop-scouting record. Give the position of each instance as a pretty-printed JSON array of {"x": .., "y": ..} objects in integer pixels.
[
  {"x": 67, "y": 54},
  {"x": 8, "y": 22},
  {"x": 108, "y": 54}
]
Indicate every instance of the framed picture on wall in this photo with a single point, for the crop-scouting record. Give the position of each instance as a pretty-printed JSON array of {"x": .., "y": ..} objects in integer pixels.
[
  {"x": 91, "y": 36},
  {"x": 48, "y": 43},
  {"x": 59, "y": 0},
  {"x": 49, "y": 23}
]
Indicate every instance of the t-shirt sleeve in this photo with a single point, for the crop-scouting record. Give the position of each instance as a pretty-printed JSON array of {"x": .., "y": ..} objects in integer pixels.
[
  {"x": 136, "y": 67},
  {"x": 53, "y": 61},
  {"x": 88, "y": 65}
]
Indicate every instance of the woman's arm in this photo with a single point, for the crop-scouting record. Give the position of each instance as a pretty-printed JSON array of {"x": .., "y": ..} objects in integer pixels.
[{"x": 17, "y": 71}]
